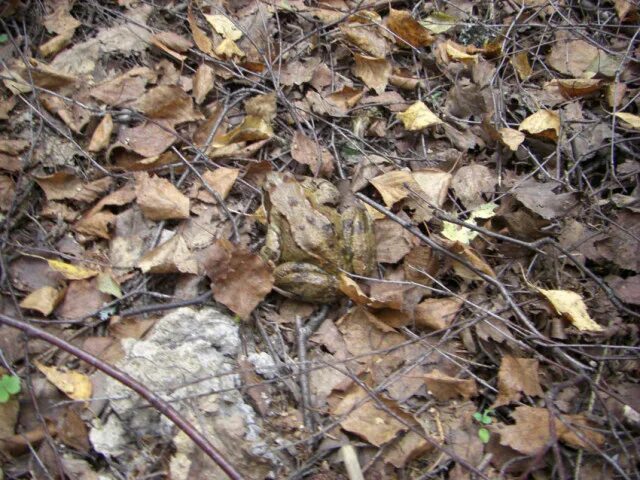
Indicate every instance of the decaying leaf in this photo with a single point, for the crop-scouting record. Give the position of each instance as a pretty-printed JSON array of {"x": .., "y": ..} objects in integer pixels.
[
  {"x": 540, "y": 198},
  {"x": 75, "y": 385},
  {"x": 408, "y": 29},
  {"x": 418, "y": 117},
  {"x": 374, "y": 72},
  {"x": 44, "y": 300},
  {"x": 308, "y": 152},
  {"x": 444, "y": 387},
  {"x": 517, "y": 376},
  {"x": 101, "y": 135},
  {"x": 571, "y": 306},
  {"x": 437, "y": 313},
  {"x": 65, "y": 186},
  {"x": 239, "y": 279},
  {"x": 202, "y": 82},
  {"x": 224, "y": 26},
  {"x": 220, "y": 180},
  {"x": 159, "y": 199},
  {"x": 520, "y": 62},
  {"x": 172, "y": 256},
  {"x": 543, "y": 123}
]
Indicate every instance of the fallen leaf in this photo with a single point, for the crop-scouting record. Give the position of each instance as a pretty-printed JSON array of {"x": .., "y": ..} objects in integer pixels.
[
  {"x": 124, "y": 88},
  {"x": 7, "y": 192},
  {"x": 224, "y": 26},
  {"x": 251, "y": 129},
  {"x": 392, "y": 242},
  {"x": 627, "y": 10},
  {"x": 571, "y": 306},
  {"x": 81, "y": 300},
  {"x": 148, "y": 139},
  {"x": 540, "y": 198},
  {"x": 306, "y": 151},
  {"x": 391, "y": 185},
  {"x": 437, "y": 313},
  {"x": 107, "y": 284},
  {"x": 443, "y": 387},
  {"x": 511, "y": 138},
  {"x": 101, "y": 135},
  {"x": 439, "y": 22},
  {"x": 201, "y": 39},
  {"x": 374, "y": 72},
  {"x": 75, "y": 385},
  {"x": 457, "y": 52},
  {"x": 172, "y": 41},
  {"x": 418, "y": 117},
  {"x": 531, "y": 432},
  {"x": 517, "y": 376},
  {"x": 471, "y": 182},
  {"x": 159, "y": 199},
  {"x": 520, "y": 62},
  {"x": 543, "y": 123},
  {"x": 239, "y": 279},
  {"x": 203, "y": 82},
  {"x": 173, "y": 256},
  {"x": 220, "y": 180},
  {"x": 408, "y": 29},
  {"x": 64, "y": 186},
  {"x": 44, "y": 300},
  {"x": 571, "y": 57},
  {"x": 262, "y": 106},
  {"x": 299, "y": 72},
  {"x": 366, "y": 37},
  {"x": 631, "y": 119},
  {"x": 459, "y": 233},
  {"x": 169, "y": 103},
  {"x": 473, "y": 258},
  {"x": 228, "y": 49},
  {"x": 627, "y": 289},
  {"x": 57, "y": 43},
  {"x": 578, "y": 87},
  {"x": 71, "y": 272}
]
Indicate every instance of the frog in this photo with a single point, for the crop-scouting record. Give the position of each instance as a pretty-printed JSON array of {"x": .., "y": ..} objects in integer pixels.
[{"x": 309, "y": 242}]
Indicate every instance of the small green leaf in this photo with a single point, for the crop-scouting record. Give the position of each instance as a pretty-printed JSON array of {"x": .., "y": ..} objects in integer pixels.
[
  {"x": 11, "y": 384},
  {"x": 477, "y": 416},
  {"x": 4, "y": 38},
  {"x": 4, "y": 395},
  {"x": 483, "y": 435},
  {"x": 487, "y": 420}
]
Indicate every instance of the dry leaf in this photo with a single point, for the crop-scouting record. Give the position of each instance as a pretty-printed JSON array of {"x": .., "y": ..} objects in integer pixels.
[
  {"x": 544, "y": 123},
  {"x": 391, "y": 185},
  {"x": 172, "y": 256},
  {"x": 124, "y": 88},
  {"x": 221, "y": 180},
  {"x": 458, "y": 53},
  {"x": 202, "y": 82},
  {"x": 520, "y": 62},
  {"x": 437, "y": 313},
  {"x": 571, "y": 306},
  {"x": 374, "y": 72},
  {"x": 239, "y": 279},
  {"x": 159, "y": 199},
  {"x": 201, "y": 39},
  {"x": 439, "y": 22},
  {"x": 224, "y": 26},
  {"x": 577, "y": 87},
  {"x": 262, "y": 106},
  {"x": 471, "y": 182},
  {"x": 75, "y": 385},
  {"x": 571, "y": 57},
  {"x": 511, "y": 138},
  {"x": 540, "y": 198},
  {"x": 306, "y": 151},
  {"x": 251, "y": 129},
  {"x": 148, "y": 140},
  {"x": 631, "y": 119},
  {"x": 408, "y": 29},
  {"x": 101, "y": 135},
  {"x": 82, "y": 299},
  {"x": 57, "y": 43},
  {"x": 71, "y": 272},
  {"x": 44, "y": 300},
  {"x": 443, "y": 387},
  {"x": 228, "y": 49},
  {"x": 418, "y": 116},
  {"x": 169, "y": 103},
  {"x": 366, "y": 37},
  {"x": 473, "y": 258},
  {"x": 517, "y": 376}
]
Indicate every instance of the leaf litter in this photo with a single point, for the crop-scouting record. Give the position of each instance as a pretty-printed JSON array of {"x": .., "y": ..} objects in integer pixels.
[{"x": 456, "y": 145}]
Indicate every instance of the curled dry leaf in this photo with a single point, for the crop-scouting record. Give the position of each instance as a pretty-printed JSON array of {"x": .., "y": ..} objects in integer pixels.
[
  {"x": 240, "y": 279},
  {"x": 543, "y": 123},
  {"x": 408, "y": 29},
  {"x": 224, "y": 26},
  {"x": 251, "y": 129},
  {"x": 571, "y": 306},
  {"x": 71, "y": 272},
  {"x": 458, "y": 53},
  {"x": 306, "y": 151},
  {"x": 75, "y": 385},
  {"x": 374, "y": 72},
  {"x": 418, "y": 117},
  {"x": 511, "y": 138},
  {"x": 159, "y": 199},
  {"x": 201, "y": 39},
  {"x": 57, "y": 43},
  {"x": 471, "y": 257},
  {"x": 101, "y": 135},
  {"x": 443, "y": 387},
  {"x": 172, "y": 256},
  {"x": 228, "y": 49},
  {"x": 577, "y": 87},
  {"x": 44, "y": 300},
  {"x": 630, "y": 118},
  {"x": 517, "y": 376}
]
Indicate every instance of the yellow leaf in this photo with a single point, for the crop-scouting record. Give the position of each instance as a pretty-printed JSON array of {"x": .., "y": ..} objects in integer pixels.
[
  {"x": 570, "y": 305},
  {"x": 374, "y": 72},
  {"x": 418, "y": 116},
  {"x": 520, "y": 62},
  {"x": 44, "y": 300},
  {"x": 228, "y": 49},
  {"x": 455, "y": 53},
  {"x": 391, "y": 185},
  {"x": 251, "y": 129},
  {"x": 75, "y": 385},
  {"x": 71, "y": 272},
  {"x": 631, "y": 119},
  {"x": 224, "y": 26},
  {"x": 544, "y": 123},
  {"x": 511, "y": 138}
]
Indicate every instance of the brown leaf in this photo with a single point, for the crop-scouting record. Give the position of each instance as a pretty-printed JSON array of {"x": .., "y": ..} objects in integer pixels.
[
  {"x": 406, "y": 449},
  {"x": 517, "y": 376},
  {"x": 73, "y": 432},
  {"x": 44, "y": 300},
  {"x": 148, "y": 140},
  {"x": 201, "y": 39},
  {"x": 73, "y": 115},
  {"x": 543, "y": 123},
  {"x": 392, "y": 242},
  {"x": 298, "y": 72},
  {"x": 368, "y": 421},
  {"x": 101, "y": 135},
  {"x": 540, "y": 198},
  {"x": 124, "y": 88},
  {"x": 437, "y": 313},
  {"x": 239, "y": 279},
  {"x": 81, "y": 299},
  {"x": 169, "y": 103},
  {"x": 366, "y": 37},
  {"x": 531, "y": 433},
  {"x": 443, "y": 387},
  {"x": 408, "y": 29},
  {"x": 57, "y": 43},
  {"x": 220, "y": 180},
  {"x": 520, "y": 62},
  {"x": 262, "y": 106},
  {"x": 159, "y": 199},
  {"x": 418, "y": 117},
  {"x": 627, "y": 289},
  {"x": 374, "y": 72},
  {"x": 60, "y": 20},
  {"x": 203, "y": 82},
  {"x": 96, "y": 221},
  {"x": 66, "y": 186},
  {"x": 173, "y": 256},
  {"x": 251, "y": 129},
  {"x": 571, "y": 57},
  {"x": 306, "y": 151},
  {"x": 471, "y": 182},
  {"x": 473, "y": 258}
]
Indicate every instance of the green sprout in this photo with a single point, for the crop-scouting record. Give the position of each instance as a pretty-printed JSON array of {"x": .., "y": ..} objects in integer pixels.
[
  {"x": 9, "y": 385},
  {"x": 484, "y": 418}
]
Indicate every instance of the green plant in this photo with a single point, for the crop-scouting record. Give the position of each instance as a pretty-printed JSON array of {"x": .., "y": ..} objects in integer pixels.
[
  {"x": 9, "y": 385},
  {"x": 484, "y": 418}
]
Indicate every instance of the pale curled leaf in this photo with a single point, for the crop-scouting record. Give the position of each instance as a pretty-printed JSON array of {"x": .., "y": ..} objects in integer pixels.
[
  {"x": 544, "y": 123},
  {"x": 44, "y": 300},
  {"x": 71, "y": 272},
  {"x": 224, "y": 26},
  {"x": 630, "y": 118},
  {"x": 75, "y": 385},
  {"x": 571, "y": 305},
  {"x": 418, "y": 117}
]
